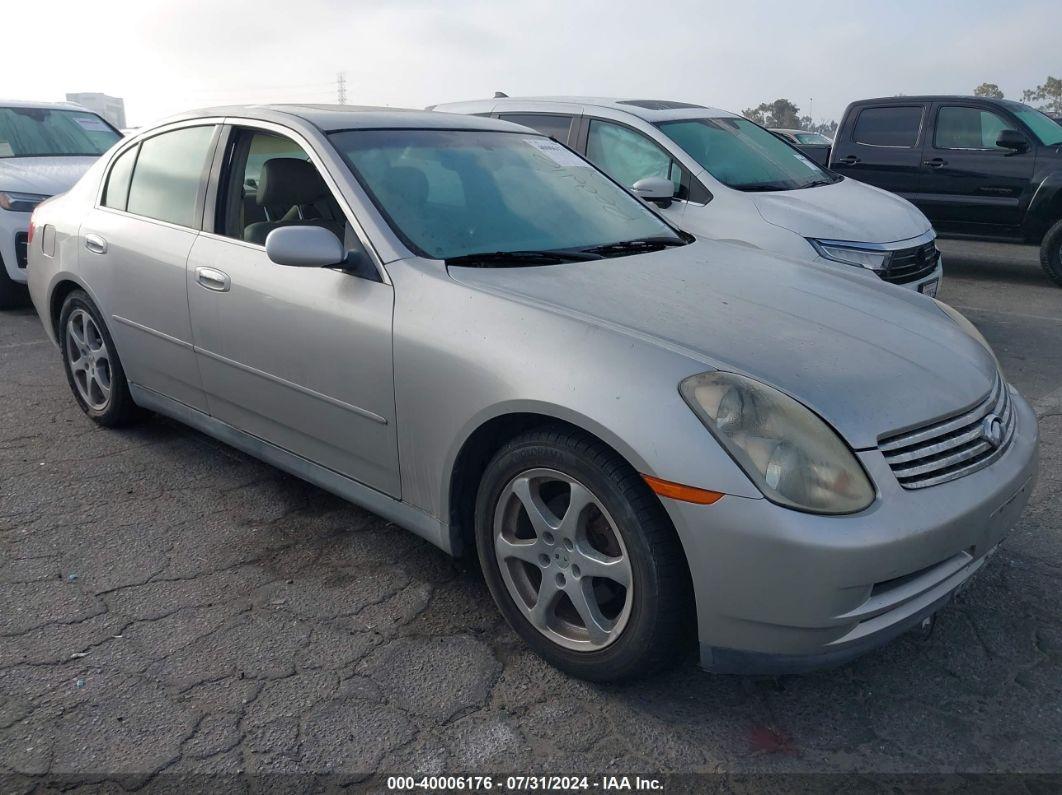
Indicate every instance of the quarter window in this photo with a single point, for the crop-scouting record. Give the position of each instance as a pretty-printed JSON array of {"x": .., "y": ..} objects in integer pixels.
[
  {"x": 116, "y": 194},
  {"x": 628, "y": 156},
  {"x": 968, "y": 128},
  {"x": 169, "y": 174},
  {"x": 555, "y": 126},
  {"x": 892, "y": 126}
]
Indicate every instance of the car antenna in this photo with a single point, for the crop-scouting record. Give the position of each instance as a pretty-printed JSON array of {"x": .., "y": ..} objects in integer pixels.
[{"x": 500, "y": 95}]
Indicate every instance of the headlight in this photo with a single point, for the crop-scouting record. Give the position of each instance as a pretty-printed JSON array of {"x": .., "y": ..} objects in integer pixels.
[
  {"x": 794, "y": 457},
  {"x": 851, "y": 255},
  {"x": 20, "y": 202}
]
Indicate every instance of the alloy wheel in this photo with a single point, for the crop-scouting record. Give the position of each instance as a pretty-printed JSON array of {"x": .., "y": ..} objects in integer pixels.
[
  {"x": 88, "y": 360},
  {"x": 563, "y": 559}
]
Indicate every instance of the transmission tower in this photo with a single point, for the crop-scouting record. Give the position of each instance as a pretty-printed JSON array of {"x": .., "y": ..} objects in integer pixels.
[{"x": 341, "y": 88}]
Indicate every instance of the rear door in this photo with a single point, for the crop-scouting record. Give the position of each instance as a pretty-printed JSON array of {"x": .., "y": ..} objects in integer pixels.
[
  {"x": 970, "y": 181},
  {"x": 883, "y": 147},
  {"x": 134, "y": 248}
]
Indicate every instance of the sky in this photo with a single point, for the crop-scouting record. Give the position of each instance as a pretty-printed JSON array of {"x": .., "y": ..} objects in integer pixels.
[{"x": 166, "y": 56}]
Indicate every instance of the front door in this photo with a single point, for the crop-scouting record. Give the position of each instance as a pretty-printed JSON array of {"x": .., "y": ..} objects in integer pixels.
[
  {"x": 134, "y": 249},
  {"x": 299, "y": 357},
  {"x": 971, "y": 181},
  {"x": 627, "y": 156}
]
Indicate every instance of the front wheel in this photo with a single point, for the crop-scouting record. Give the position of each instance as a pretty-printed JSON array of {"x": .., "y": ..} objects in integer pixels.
[
  {"x": 1051, "y": 253},
  {"x": 93, "y": 369},
  {"x": 581, "y": 557}
]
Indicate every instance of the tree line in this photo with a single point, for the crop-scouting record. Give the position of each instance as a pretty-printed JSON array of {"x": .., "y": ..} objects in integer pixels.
[{"x": 784, "y": 114}]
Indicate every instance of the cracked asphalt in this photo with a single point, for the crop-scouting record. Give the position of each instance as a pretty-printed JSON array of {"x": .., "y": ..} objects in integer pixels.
[{"x": 168, "y": 605}]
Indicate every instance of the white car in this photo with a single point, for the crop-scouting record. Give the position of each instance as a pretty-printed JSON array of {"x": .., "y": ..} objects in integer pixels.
[
  {"x": 44, "y": 150},
  {"x": 722, "y": 176}
]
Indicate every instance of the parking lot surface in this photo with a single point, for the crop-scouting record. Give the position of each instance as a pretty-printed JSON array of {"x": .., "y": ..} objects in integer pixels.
[{"x": 169, "y": 604}]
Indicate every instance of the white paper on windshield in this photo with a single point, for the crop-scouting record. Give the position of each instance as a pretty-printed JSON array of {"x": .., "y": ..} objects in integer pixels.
[
  {"x": 557, "y": 153},
  {"x": 92, "y": 123}
]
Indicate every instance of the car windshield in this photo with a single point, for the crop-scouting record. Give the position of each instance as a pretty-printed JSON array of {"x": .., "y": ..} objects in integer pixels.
[
  {"x": 461, "y": 193},
  {"x": 743, "y": 155},
  {"x": 811, "y": 138},
  {"x": 46, "y": 132},
  {"x": 1043, "y": 126}
]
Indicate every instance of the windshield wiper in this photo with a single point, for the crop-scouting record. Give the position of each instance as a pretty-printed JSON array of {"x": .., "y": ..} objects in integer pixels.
[
  {"x": 487, "y": 259},
  {"x": 634, "y": 246}
]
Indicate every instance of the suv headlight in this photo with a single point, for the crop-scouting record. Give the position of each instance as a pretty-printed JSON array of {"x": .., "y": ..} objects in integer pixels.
[
  {"x": 851, "y": 255},
  {"x": 20, "y": 202},
  {"x": 794, "y": 457}
]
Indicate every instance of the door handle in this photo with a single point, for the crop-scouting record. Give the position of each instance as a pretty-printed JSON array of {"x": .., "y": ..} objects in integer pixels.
[
  {"x": 95, "y": 244},
  {"x": 936, "y": 162},
  {"x": 850, "y": 160},
  {"x": 213, "y": 279}
]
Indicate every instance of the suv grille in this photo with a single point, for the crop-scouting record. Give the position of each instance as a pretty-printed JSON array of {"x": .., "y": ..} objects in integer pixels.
[
  {"x": 955, "y": 447},
  {"x": 909, "y": 264},
  {"x": 21, "y": 253}
]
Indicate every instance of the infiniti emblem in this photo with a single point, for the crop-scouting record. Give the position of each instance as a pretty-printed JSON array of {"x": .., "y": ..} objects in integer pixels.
[{"x": 992, "y": 430}]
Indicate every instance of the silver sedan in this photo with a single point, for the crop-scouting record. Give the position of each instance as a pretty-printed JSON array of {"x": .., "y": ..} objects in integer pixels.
[{"x": 648, "y": 440}]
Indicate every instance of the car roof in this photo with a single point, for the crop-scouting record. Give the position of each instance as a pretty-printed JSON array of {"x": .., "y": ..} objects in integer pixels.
[
  {"x": 330, "y": 118},
  {"x": 651, "y": 110},
  {"x": 902, "y": 98},
  {"x": 24, "y": 103}
]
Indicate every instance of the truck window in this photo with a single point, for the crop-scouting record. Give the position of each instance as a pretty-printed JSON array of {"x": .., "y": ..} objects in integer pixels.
[
  {"x": 961, "y": 127},
  {"x": 889, "y": 126}
]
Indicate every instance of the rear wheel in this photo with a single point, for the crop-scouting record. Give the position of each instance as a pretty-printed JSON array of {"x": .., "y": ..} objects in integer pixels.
[
  {"x": 581, "y": 558},
  {"x": 92, "y": 366},
  {"x": 1051, "y": 253}
]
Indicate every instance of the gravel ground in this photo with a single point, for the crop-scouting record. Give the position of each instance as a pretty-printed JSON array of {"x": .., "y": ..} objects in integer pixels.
[{"x": 168, "y": 604}]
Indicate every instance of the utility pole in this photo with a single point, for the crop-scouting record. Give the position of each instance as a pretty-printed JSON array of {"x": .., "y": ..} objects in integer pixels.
[{"x": 341, "y": 88}]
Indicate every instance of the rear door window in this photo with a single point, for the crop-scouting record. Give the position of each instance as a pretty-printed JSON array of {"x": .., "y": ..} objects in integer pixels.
[
  {"x": 169, "y": 175},
  {"x": 554, "y": 125},
  {"x": 896, "y": 126}
]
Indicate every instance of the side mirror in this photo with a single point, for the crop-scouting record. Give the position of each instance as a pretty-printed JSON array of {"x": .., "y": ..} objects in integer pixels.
[
  {"x": 304, "y": 247},
  {"x": 1012, "y": 139},
  {"x": 654, "y": 189}
]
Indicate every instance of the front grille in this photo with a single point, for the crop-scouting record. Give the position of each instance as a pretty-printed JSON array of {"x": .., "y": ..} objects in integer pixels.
[
  {"x": 954, "y": 447},
  {"x": 21, "y": 252},
  {"x": 909, "y": 264}
]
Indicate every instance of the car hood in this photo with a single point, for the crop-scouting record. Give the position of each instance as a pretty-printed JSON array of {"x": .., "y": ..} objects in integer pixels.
[
  {"x": 869, "y": 357},
  {"x": 845, "y": 210},
  {"x": 45, "y": 175}
]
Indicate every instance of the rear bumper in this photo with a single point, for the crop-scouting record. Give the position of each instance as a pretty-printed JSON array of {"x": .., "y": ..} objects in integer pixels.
[{"x": 782, "y": 591}]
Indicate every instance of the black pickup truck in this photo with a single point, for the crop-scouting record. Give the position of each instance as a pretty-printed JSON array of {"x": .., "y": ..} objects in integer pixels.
[{"x": 983, "y": 168}]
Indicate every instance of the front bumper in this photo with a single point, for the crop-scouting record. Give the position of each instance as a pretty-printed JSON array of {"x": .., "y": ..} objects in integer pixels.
[{"x": 782, "y": 591}]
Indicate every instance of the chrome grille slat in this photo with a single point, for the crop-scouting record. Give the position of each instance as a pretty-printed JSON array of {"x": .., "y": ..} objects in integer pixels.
[
  {"x": 953, "y": 447},
  {"x": 975, "y": 414}
]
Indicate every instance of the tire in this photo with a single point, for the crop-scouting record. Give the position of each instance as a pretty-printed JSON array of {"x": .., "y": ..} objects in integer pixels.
[
  {"x": 1051, "y": 253},
  {"x": 100, "y": 388},
  {"x": 12, "y": 294},
  {"x": 636, "y": 629}
]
